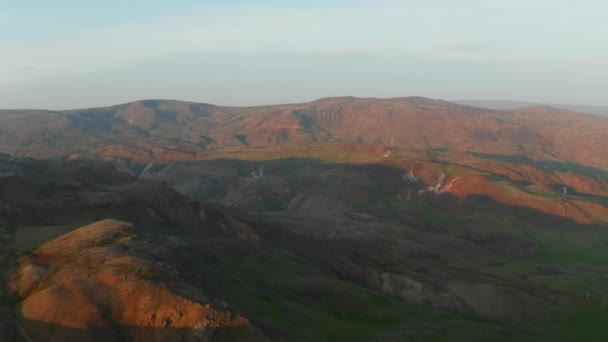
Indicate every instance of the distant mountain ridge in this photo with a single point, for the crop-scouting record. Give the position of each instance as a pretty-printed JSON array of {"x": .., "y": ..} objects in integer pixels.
[
  {"x": 513, "y": 105},
  {"x": 166, "y": 130}
]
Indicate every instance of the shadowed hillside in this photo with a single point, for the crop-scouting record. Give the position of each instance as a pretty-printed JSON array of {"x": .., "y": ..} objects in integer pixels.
[{"x": 304, "y": 249}]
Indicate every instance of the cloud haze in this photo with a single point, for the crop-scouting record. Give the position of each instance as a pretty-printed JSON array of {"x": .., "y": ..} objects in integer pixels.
[{"x": 65, "y": 54}]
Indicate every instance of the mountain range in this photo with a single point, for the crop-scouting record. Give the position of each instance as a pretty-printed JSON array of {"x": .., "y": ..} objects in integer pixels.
[
  {"x": 170, "y": 130},
  {"x": 513, "y": 105},
  {"x": 339, "y": 219}
]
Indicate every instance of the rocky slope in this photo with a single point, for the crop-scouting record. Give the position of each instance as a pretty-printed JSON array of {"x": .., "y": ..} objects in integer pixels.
[
  {"x": 106, "y": 282},
  {"x": 112, "y": 279}
]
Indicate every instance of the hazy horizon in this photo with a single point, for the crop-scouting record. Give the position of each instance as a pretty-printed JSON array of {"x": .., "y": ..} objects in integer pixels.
[
  {"x": 68, "y": 54},
  {"x": 489, "y": 104}
]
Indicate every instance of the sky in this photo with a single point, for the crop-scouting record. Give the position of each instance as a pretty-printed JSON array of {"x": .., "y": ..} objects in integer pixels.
[{"x": 61, "y": 54}]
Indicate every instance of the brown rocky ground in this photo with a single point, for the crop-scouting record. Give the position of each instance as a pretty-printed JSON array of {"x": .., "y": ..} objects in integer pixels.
[{"x": 108, "y": 283}]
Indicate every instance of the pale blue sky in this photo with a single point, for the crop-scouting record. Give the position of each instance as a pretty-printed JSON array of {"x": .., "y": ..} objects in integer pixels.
[{"x": 73, "y": 53}]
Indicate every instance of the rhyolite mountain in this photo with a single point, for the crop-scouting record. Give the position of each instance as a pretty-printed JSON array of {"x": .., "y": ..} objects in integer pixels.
[
  {"x": 339, "y": 219},
  {"x": 159, "y": 130},
  {"x": 513, "y": 105}
]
